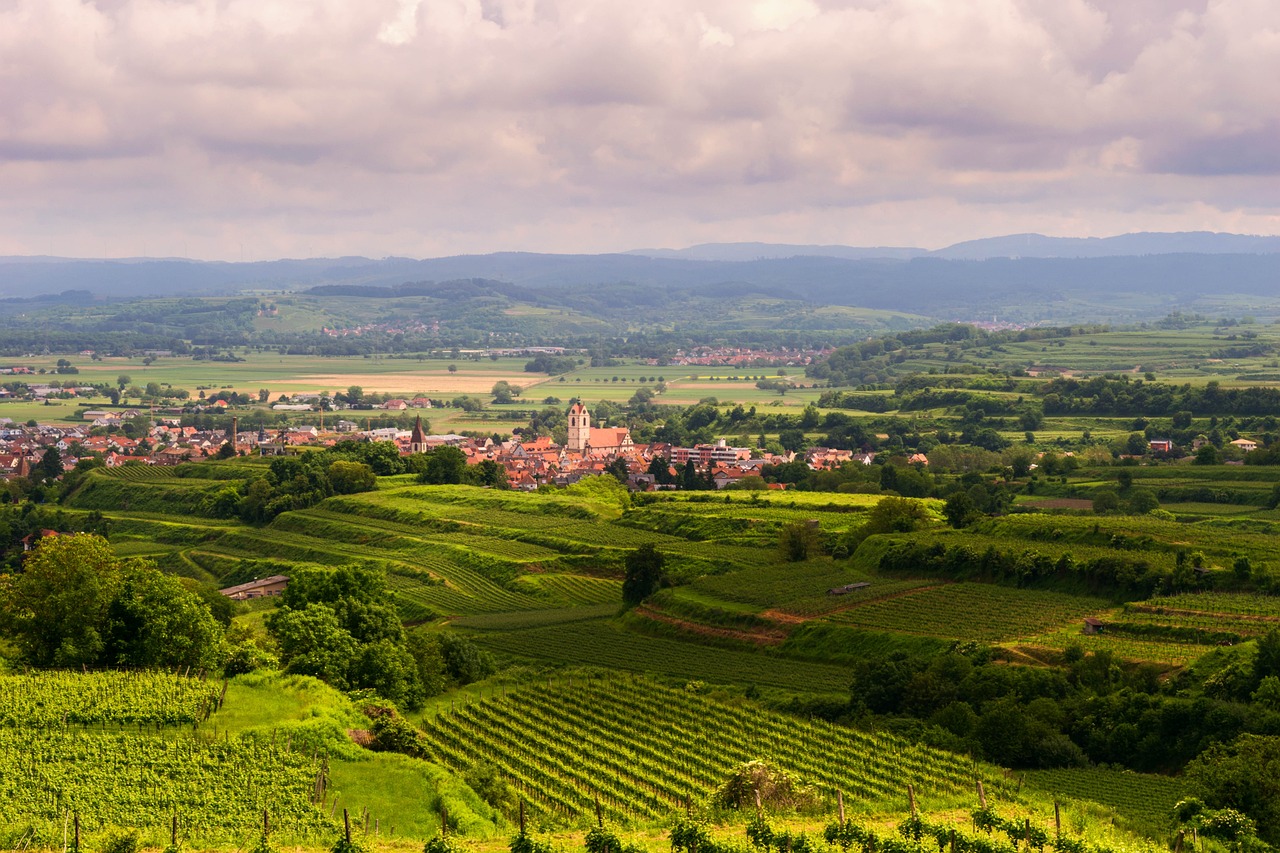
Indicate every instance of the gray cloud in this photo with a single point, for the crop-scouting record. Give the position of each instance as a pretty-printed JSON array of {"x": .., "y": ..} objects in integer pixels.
[{"x": 425, "y": 126}]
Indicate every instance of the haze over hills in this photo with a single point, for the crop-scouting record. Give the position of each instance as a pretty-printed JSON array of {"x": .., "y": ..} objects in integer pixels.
[{"x": 1031, "y": 277}]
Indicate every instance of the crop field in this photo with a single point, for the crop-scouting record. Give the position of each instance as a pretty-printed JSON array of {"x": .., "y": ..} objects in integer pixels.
[
  {"x": 117, "y": 749},
  {"x": 1168, "y": 653},
  {"x": 644, "y": 749},
  {"x": 520, "y": 620},
  {"x": 976, "y": 612},
  {"x": 602, "y": 644},
  {"x": 1144, "y": 799},
  {"x": 800, "y": 589},
  {"x": 52, "y": 699},
  {"x": 1251, "y": 604}
]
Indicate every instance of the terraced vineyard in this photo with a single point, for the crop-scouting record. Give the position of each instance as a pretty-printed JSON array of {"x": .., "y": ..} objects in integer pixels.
[
  {"x": 800, "y": 589},
  {"x": 1263, "y": 606},
  {"x": 976, "y": 612},
  {"x": 1123, "y": 648},
  {"x": 645, "y": 749},
  {"x": 600, "y": 644}
]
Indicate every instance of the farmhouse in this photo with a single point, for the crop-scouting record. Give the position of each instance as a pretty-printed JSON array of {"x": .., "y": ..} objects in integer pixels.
[{"x": 1245, "y": 444}]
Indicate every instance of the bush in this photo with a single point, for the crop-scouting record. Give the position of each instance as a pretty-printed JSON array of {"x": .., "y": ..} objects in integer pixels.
[{"x": 776, "y": 788}]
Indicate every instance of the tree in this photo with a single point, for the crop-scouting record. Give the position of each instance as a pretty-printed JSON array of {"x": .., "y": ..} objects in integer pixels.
[
  {"x": 644, "y": 574},
  {"x": 50, "y": 467},
  {"x": 123, "y": 380},
  {"x": 1106, "y": 500},
  {"x": 76, "y": 604},
  {"x": 312, "y": 642},
  {"x": 156, "y": 622},
  {"x": 799, "y": 541},
  {"x": 505, "y": 392},
  {"x": 1244, "y": 775},
  {"x": 340, "y": 625},
  {"x": 1207, "y": 455},
  {"x": 489, "y": 473},
  {"x": 1142, "y": 501},
  {"x": 660, "y": 468},
  {"x": 59, "y": 602},
  {"x": 350, "y": 477},
  {"x": 891, "y": 515},
  {"x": 792, "y": 440},
  {"x": 618, "y": 469},
  {"x": 1266, "y": 662},
  {"x": 445, "y": 466},
  {"x": 960, "y": 510}
]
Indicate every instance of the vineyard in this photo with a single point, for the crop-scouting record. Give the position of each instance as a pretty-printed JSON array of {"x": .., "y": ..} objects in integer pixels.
[
  {"x": 121, "y": 749},
  {"x": 646, "y": 750},
  {"x": 971, "y": 612},
  {"x": 1145, "y": 800},
  {"x": 598, "y": 643},
  {"x": 50, "y": 699},
  {"x": 217, "y": 789}
]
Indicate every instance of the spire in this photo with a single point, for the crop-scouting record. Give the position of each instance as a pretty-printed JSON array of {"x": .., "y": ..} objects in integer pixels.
[{"x": 417, "y": 440}]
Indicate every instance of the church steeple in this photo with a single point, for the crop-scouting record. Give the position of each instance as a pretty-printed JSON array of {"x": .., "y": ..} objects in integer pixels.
[
  {"x": 417, "y": 439},
  {"x": 579, "y": 428}
]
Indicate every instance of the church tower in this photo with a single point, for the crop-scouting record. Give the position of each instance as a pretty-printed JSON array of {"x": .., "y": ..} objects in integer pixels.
[
  {"x": 417, "y": 441},
  {"x": 579, "y": 427}
]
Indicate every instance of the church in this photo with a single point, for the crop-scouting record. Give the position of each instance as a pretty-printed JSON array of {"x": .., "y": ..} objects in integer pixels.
[{"x": 585, "y": 439}]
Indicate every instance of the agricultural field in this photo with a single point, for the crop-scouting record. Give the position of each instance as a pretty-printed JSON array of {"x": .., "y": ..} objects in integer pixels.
[
  {"x": 646, "y": 749},
  {"x": 600, "y": 643},
  {"x": 971, "y": 612},
  {"x": 1145, "y": 800},
  {"x": 119, "y": 750}
]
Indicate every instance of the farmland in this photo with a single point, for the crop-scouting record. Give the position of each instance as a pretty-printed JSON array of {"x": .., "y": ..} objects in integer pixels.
[
  {"x": 618, "y": 737},
  {"x": 118, "y": 749}
]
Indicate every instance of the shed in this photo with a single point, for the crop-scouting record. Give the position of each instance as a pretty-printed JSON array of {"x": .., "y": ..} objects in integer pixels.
[
  {"x": 262, "y": 588},
  {"x": 848, "y": 588},
  {"x": 1092, "y": 625}
]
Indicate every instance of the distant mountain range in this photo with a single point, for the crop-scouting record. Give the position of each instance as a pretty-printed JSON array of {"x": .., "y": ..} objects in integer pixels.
[{"x": 1083, "y": 278}]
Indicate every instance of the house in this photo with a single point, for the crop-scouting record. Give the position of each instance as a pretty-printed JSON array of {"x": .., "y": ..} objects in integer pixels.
[
  {"x": 262, "y": 588},
  {"x": 1092, "y": 625},
  {"x": 1246, "y": 445},
  {"x": 31, "y": 540},
  {"x": 396, "y": 405},
  {"x": 1160, "y": 445}
]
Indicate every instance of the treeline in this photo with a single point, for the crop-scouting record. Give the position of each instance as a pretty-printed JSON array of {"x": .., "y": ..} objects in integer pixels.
[
  {"x": 1088, "y": 710},
  {"x": 1112, "y": 573},
  {"x": 1124, "y": 398},
  {"x": 297, "y": 482}
]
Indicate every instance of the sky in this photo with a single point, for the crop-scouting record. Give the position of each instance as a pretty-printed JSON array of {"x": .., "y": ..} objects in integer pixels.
[{"x": 260, "y": 129}]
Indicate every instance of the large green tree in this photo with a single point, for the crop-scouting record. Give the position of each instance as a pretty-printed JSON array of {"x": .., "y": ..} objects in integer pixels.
[
  {"x": 76, "y": 604},
  {"x": 58, "y": 605}
]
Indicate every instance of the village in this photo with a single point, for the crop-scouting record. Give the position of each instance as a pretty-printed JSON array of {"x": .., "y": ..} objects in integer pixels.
[{"x": 528, "y": 463}]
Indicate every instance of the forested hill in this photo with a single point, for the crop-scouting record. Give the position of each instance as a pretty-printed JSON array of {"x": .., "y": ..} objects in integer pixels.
[{"x": 1017, "y": 289}]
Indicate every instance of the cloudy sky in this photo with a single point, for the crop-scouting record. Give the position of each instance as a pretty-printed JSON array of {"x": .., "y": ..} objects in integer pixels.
[{"x": 283, "y": 128}]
